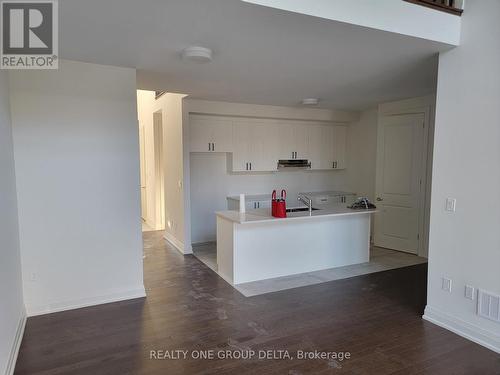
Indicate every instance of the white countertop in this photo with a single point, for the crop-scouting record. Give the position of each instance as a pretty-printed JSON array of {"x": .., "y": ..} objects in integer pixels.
[{"x": 264, "y": 214}]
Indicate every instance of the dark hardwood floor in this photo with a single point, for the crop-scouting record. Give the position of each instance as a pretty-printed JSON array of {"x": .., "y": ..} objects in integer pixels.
[{"x": 376, "y": 318}]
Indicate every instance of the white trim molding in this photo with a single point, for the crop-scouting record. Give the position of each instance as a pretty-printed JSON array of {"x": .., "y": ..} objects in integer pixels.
[
  {"x": 180, "y": 246},
  {"x": 462, "y": 328},
  {"x": 11, "y": 364},
  {"x": 114, "y": 296}
]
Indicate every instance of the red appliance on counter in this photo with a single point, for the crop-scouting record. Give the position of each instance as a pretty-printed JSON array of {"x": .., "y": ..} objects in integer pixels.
[{"x": 278, "y": 205}]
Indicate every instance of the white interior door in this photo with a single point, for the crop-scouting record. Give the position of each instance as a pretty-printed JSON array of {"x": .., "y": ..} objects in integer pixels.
[{"x": 400, "y": 155}]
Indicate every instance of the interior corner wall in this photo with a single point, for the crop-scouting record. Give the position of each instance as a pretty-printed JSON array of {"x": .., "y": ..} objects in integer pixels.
[
  {"x": 362, "y": 154},
  {"x": 464, "y": 246},
  {"x": 12, "y": 312},
  {"x": 171, "y": 108},
  {"x": 76, "y": 149}
]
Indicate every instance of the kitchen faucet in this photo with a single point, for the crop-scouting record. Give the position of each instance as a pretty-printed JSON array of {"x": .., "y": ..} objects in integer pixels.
[{"x": 307, "y": 201}]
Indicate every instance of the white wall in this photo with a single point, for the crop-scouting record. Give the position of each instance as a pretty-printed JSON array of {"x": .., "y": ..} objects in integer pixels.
[
  {"x": 12, "y": 313},
  {"x": 77, "y": 168},
  {"x": 171, "y": 108},
  {"x": 211, "y": 184},
  {"x": 362, "y": 154},
  {"x": 389, "y": 15},
  {"x": 465, "y": 246}
]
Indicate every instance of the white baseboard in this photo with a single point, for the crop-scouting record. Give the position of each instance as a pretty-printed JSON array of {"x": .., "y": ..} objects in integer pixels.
[
  {"x": 462, "y": 328},
  {"x": 11, "y": 364},
  {"x": 178, "y": 244},
  {"x": 86, "y": 302}
]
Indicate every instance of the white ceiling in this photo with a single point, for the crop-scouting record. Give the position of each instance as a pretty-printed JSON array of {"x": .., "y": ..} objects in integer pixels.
[{"x": 261, "y": 55}]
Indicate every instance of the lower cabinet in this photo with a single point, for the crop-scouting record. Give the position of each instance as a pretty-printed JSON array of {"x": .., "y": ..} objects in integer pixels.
[{"x": 250, "y": 204}]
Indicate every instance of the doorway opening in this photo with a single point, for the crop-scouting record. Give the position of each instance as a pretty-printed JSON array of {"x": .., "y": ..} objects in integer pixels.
[
  {"x": 159, "y": 170},
  {"x": 152, "y": 161}
]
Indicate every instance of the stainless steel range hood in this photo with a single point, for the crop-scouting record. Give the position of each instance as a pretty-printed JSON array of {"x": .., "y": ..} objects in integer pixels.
[{"x": 294, "y": 164}]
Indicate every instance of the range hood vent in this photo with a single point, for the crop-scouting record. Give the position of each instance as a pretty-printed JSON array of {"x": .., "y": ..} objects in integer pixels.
[{"x": 294, "y": 163}]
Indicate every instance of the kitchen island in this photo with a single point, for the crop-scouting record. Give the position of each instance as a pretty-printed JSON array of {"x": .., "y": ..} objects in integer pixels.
[{"x": 256, "y": 246}]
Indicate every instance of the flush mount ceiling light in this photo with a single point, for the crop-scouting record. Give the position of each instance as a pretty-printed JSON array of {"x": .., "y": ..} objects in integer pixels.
[
  {"x": 197, "y": 54},
  {"x": 310, "y": 101}
]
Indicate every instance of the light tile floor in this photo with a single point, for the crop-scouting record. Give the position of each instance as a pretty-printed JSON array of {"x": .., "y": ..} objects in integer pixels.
[{"x": 380, "y": 260}]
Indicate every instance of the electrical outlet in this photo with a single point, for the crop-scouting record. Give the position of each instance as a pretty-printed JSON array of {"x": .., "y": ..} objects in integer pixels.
[
  {"x": 451, "y": 204},
  {"x": 469, "y": 292},
  {"x": 446, "y": 284}
]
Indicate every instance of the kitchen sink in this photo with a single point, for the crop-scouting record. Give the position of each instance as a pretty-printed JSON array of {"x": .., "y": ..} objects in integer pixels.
[{"x": 300, "y": 209}]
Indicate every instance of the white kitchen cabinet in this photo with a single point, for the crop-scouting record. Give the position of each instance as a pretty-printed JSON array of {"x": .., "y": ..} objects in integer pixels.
[
  {"x": 292, "y": 140},
  {"x": 321, "y": 146},
  {"x": 254, "y": 145},
  {"x": 252, "y": 202},
  {"x": 210, "y": 134},
  {"x": 339, "y": 146},
  {"x": 327, "y": 146}
]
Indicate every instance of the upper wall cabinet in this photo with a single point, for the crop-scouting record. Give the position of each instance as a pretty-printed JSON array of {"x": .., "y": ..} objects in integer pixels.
[
  {"x": 292, "y": 140},
  {"x": 254, "y": 145},
  {"x": 339, "y": 146},
  {"x": 210, "y": 134},
  {"x": 321, "y": 146},
  {"x": 257, "y": 144}
]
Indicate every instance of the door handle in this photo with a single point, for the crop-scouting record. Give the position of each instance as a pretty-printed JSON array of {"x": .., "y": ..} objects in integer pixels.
[
  {"x": 213, "y": 146},
  {"x": 209, "y": 147},
  {"x": 247, "y": 166},
  {"x": 379, "y": 199},
  {"x": 250, "y": 165}
]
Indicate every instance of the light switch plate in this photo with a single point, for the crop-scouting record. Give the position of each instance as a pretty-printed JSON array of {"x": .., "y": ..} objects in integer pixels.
[
  {"x": 469, "y": 292},
  {"x": 451, "y": 204},
  {"x": 446, "y": 284}
]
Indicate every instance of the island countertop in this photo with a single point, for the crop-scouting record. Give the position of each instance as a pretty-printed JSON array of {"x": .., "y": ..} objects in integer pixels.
[{"x": 264, "y": 214}]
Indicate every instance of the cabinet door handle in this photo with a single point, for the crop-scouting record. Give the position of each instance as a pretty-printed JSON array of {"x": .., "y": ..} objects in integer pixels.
[
  {"x": 247, "y": 166},
  {"x": 213, "y": 146},
  {"x": 250, "y": 165}
]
